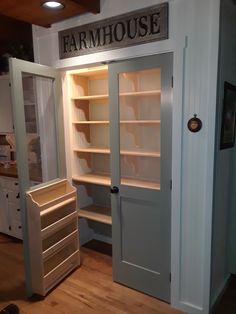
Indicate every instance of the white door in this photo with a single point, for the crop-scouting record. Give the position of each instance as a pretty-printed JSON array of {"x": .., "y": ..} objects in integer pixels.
[{"x": 38, "y": 121}]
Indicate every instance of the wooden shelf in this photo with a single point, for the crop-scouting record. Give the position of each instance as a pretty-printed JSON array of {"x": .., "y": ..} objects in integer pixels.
[
  {"x": 105, "y": 180},
  {"x": 140, "y": 121},
  {"x": 121, "y": 122},
  {"x": 140, "y": 153},
  {"x": 90, "y": 97},
  {"x": 93, "y": 178},
  {"x": 90, "y": 71},
  {"x": 96, "y": 213},
  {"x": 90, "y": 122},
  {"x": 97, "y": 150},
  {"x": 142, "y": 93},
  {"x": 130, "y": 94},
  {"x": 141, "y": 183},
  {"x": 94, "y": 150}
]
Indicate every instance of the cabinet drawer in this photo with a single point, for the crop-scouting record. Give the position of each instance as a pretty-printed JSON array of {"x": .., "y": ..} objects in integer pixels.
[
  {"x": 59, "y": 272},
  {"x": 15, "y": 212},
  {"x": 14, "y": 196},
  {"x": 16, "y": 229},
  {"x": 11, "y": 184},
  {"x": 56, "y": 259}
]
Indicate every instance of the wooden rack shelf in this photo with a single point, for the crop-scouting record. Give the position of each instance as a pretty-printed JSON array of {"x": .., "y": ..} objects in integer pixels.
[
  {"x": 129, "y": 94},
  {"x": 140, "y": 121},
  {"x": 53, "y": 229},
  {"x": 95, "y": 150},
  {"x": 121, "y": 122},
  {"x": 93, "y": 178},
  {"x": 141, "y": 93},
  {"x": 90, "y": 97},
  {"x": 90, "y": 122},
  {"x": 99, "y": 150},
  {"x": 87, "y": 72},
  {"x": 105, "y": 180},
  {"x": 141, "y": 183},
  {"x": 96, "y": 213}
]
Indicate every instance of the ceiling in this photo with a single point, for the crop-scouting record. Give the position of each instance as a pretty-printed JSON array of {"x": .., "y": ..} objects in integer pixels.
[{"x": 32, "y": 12}]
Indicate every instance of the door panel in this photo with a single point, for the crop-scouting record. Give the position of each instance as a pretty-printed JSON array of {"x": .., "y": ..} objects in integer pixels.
[
  {"x": 39, "y": 138},
  {"x": 134, "y": 231},
  {"x": 140, "y": 92}
]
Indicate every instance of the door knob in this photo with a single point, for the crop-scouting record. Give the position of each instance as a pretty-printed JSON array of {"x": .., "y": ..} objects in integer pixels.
[{"x": 114, "y": 190}]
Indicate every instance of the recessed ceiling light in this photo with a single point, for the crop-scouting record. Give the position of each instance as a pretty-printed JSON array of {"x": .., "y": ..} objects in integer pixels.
[{"x": 53, "y": 5}]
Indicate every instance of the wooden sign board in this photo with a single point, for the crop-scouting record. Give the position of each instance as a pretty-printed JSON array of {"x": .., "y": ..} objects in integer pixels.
[{"x": 138, "y": 27}]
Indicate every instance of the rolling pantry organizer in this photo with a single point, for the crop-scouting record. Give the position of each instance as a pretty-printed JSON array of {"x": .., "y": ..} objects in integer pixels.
[{"x": 53, "y": 234}]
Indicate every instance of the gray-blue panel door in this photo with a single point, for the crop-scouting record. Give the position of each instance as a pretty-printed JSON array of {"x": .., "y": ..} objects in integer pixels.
[{"x": 140, "y": 139}]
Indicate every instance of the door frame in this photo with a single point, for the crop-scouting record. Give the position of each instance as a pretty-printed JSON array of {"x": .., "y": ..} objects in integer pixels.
[{"x": 17, "y": 67}]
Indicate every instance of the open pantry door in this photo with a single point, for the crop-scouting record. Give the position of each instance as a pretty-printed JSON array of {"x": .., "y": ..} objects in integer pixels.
[
  {"x": 38, "y": 125},
  {"x": 140, "y": 108}
]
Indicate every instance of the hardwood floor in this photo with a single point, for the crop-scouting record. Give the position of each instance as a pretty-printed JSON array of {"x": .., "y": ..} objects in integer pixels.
[{"x": 88, "y": 290}]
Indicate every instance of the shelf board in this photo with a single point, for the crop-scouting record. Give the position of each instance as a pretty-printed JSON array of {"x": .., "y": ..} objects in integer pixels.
[
  {"x": 94, "y": 150},
  {"x": 90, "y": 71},
  {"x": 96, "y": 213},
  {"x": 129, "y": 94},
  {"x": 97, "y": 150},
  {"x": 140, "y": 153},
  {"x": 91, "y": 122},
  {"x": 93, "y": 178},
  {"x": 141, "y": 183},
  {"x": 121, "y": 122},
  {"x": 105, "y": 180},
  {"x": 140, "y": 121},
  {"x": 141, "y": 93},
  {"x": 90, "y": 97}
]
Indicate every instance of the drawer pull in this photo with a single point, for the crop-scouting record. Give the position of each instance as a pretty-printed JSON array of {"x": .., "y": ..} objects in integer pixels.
[
  {"x": 19, "y": 227},
  {"x": 16, "y": 183},
  {"x": 18, "y": 195},
  {"x": 18, "y": 209}
]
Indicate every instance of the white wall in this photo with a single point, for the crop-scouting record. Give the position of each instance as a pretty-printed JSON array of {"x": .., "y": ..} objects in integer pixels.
[
  {"x": 224, "y": 162},
  {"x": 194, "y": 41}
]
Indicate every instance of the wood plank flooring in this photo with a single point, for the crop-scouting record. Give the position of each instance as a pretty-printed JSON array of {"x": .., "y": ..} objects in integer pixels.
[{"x": 88, "y": 290}]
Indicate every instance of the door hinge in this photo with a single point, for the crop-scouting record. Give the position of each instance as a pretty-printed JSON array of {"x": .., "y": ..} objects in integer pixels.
[
  {"x": 170, "y": 277},
  {"x": 172, "y": 81},
  {"x": 170, "y": 184}
]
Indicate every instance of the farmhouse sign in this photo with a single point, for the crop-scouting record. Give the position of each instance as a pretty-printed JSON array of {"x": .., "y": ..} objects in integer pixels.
[{"x": 137, "y": 27}]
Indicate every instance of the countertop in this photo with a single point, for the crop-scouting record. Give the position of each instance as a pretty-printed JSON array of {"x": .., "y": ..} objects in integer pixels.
[{"x": 35, "y": 173}]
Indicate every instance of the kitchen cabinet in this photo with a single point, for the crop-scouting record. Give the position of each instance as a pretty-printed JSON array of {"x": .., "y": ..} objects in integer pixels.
[
  {"x": 6, "y": 124},
  {"x": 10, "y": 207}
]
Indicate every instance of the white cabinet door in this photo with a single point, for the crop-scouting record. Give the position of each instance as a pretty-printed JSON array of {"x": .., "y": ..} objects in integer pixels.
[
  {"x": 6, "y": 124},
  {"x": 4, "y": 223}
]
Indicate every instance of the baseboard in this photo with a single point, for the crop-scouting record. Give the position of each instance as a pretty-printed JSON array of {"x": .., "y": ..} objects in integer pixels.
[
  {"x": 103, "y": 238},
  {"x": 218, "y": 295}
]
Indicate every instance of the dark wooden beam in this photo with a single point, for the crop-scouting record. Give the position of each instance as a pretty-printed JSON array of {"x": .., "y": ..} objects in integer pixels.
[{"x": 92, "y": 6}]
